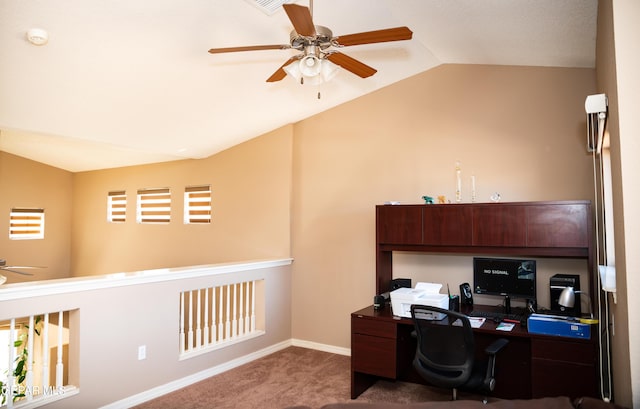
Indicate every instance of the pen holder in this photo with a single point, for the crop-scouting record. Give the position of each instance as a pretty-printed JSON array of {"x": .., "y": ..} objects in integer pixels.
[{"x": 454, "y": 303}]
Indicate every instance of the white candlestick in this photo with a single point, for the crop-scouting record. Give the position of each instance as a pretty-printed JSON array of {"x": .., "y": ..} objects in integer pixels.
[
  {"x": 473, "y": 188},
  {"x": 458, "y": 183}
]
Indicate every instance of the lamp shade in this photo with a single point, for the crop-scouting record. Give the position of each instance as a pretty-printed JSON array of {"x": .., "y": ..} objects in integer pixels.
[
  {"x": 310, "y": 66},
  {"x": 567, "y": 297},
  {"x": 329, "y": 70}
]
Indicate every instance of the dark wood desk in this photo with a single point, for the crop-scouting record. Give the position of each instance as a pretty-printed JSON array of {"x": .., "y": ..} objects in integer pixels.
[{"x": 531, "y": 365}]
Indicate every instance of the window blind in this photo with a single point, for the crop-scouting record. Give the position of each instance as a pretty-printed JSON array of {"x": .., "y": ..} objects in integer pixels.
[
  {"x": 154, "y": 206},
  {"x": 117, "y": 206},
  {"x": 197, "y": 204},
  {"x": 26, "y": 224}
]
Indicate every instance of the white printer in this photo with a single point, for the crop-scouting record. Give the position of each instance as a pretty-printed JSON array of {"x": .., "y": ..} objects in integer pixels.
[{"x": 424, "y": 294}]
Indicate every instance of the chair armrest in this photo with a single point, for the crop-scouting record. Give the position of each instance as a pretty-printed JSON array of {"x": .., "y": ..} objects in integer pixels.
[{"x": 496, "y": 346}]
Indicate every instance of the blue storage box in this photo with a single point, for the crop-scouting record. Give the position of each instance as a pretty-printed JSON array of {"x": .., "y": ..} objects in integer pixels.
[{"x": 558, "y": 326}]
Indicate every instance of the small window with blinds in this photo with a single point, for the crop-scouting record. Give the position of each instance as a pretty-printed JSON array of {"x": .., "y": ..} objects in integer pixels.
[
  {"x": 26, "y": 224},
  {"x": 117, "y": 206},
  {"x": 197, "y": 204},
  {"x": 154, "y": 206}
]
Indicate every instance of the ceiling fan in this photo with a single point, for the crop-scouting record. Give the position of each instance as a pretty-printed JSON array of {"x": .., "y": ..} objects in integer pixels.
[
  {"x": 317, "y": 44},
  {"x": 13, "y": 269}
]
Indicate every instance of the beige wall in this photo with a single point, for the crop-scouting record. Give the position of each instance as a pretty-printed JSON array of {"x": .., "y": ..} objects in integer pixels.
[
  {"x": 618, "y": 65},
  {"x": 519, "y": 130},
  {"x": 251, "y": 188},
  {"x": 25, "y": 183}
]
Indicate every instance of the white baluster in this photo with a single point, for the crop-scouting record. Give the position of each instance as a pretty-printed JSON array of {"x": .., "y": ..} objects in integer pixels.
[
  {"x": 242, "y": 330},
  {"x": 190, "y": 321},
  {"x": 227, "y": 323},
  {"x": 214, "y": 319},
  {"x": 234, "y": 325},
  {"x": 198, "y": 327},
  {"x": 45, "y": 351},
  {"x": 12, "y": 355},
  {"x": 253, "y": 306},
  {"x": 247, "y": 321},
  {"x": 59, "y": 364},
  {"x": 207, "y": 334},
  {"x": 29, "y": 346},
  {"x": 182, "y": 322},
  {"x": 220, "y": 319}
]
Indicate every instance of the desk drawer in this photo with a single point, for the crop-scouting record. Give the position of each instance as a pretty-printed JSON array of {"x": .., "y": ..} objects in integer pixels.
[
  {"x": 563, "y": 367},
  {"x": 373, "y": 327},
  {"x": 563, "y": 350},
  {"x": 373, "y": 355}
]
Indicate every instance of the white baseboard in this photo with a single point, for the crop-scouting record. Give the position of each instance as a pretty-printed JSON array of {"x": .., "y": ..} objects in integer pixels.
[
  {"x": 218, "y": 369},
  {"x": 196, "y": 377},
  {"x": 320, "y": 347}
]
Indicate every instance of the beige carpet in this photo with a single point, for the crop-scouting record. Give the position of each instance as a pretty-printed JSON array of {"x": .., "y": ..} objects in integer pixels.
[{"x": 293, "y": 376}]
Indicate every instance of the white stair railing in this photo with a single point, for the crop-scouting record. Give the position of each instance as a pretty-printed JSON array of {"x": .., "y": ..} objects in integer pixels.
[
  {"x": 213, "y": 317},
  {"x": 25, "y": 346}
]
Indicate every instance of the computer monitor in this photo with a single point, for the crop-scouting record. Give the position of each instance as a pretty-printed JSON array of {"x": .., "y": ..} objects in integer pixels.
[{"x": 508, "y": 278}]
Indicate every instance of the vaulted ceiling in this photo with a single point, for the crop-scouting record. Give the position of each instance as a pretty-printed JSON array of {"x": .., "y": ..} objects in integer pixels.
[{"x": 124, "y": 82}]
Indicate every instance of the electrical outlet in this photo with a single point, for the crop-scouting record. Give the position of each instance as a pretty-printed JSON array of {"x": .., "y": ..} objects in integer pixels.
[{"x": 142, "y": 352}]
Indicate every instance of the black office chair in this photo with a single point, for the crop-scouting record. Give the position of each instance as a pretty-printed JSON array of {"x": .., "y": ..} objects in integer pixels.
[{"x": 445, "y": 353}]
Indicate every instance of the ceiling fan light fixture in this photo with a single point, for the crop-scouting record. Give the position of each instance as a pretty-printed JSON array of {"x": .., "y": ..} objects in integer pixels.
[
  {"x": 315, "y": 43},
  {"x": 312, "y": 70},
  {"x": 329, "y": 70},
  {"x": 293, "y": 70},
  {"x": 310, "y": 66}
]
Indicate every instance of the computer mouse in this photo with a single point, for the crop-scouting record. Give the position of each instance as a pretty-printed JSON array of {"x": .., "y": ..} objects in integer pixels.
[{"x": 497, "y": 320}]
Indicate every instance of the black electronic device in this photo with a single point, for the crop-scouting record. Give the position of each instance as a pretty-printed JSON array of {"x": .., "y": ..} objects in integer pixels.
[
  {"x": 508, "y": 278},
  {"x": 466, "y": 296},
  {"x": 379, "y": 302},
  {"x": 400, "y": 283},
  {"x": 454, "y": 303},
  {"x": 559, "y": 282}
]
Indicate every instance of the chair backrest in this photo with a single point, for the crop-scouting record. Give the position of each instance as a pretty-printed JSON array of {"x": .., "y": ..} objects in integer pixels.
[{"x": 445, "y": 351}]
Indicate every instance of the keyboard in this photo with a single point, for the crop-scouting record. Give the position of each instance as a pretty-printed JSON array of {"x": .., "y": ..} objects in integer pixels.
[{"x": 499, "y": 316}]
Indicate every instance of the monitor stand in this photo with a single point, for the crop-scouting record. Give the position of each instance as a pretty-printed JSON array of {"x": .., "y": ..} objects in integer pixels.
[{"x": 507, "y": 304}]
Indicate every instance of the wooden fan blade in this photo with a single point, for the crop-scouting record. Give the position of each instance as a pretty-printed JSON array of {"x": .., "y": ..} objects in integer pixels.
[
  {"x": 250, "y": 48},
  {"x": 377, "y": 36},
  {"x": 301, "y": 19},
  {"x": 280, "y": 72},
  {"x": 351, "y": 64}
]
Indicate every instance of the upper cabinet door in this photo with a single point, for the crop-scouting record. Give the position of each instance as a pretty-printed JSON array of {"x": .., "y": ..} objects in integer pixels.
[
  {"x": 500, "y": 225},
  {"x": 399, "y": 224},
  {"x": 447, "y": 225},
  {"x": 558, "y": 225}
]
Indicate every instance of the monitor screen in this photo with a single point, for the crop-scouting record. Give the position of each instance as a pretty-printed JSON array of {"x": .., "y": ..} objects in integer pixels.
[{"x": 506, "y": 277}]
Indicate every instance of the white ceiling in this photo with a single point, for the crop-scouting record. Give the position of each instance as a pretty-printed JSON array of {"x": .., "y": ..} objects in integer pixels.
[{"x": 125, "y": 82}]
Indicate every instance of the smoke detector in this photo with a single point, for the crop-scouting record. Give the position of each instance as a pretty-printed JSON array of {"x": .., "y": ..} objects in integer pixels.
[{"x": 37, "y": 36}]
